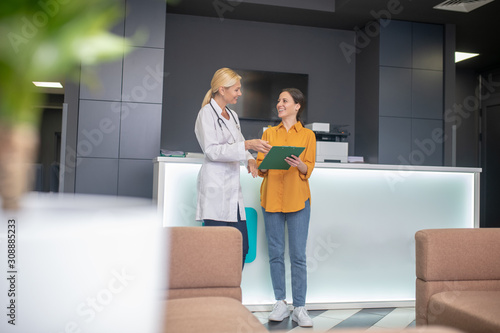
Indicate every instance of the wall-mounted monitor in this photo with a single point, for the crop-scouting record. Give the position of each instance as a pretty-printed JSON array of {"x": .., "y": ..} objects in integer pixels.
[{"x": 260, "y": 92}]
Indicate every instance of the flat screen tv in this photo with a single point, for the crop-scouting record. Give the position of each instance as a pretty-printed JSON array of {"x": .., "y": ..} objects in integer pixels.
[{"x": 260, "y": 92}]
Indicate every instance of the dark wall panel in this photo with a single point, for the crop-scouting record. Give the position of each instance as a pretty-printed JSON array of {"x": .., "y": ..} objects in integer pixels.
[
  {"x": 395, "y": 44},
  {"x": 427, "y": 142},
  {"x": 428, "y": 46},
  {"x": 97, "y": 176},
  {"x": 98, "y": 129},
  {"x": 427, "y": 94},
  {"x": 147, "y": 23},
  {"x": 395, "y": 92},
  {"x": 135, "y": 178},
  {"x": 140, "y": 131},
  {"x": 103, "y": 81},
  {"x": 142, "y": 76},
  {"x": 394, "y": 140}
]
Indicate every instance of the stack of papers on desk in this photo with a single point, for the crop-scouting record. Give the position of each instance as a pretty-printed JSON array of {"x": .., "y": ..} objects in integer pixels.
[{"x": 172, "y": 153}]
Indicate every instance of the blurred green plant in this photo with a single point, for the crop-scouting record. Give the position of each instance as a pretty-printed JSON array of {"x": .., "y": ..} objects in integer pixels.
[{"x": 43, "y": 40}]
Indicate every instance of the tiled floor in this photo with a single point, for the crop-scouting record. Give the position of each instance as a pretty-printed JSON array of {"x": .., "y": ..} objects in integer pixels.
[{"x": 331, "y": 320}]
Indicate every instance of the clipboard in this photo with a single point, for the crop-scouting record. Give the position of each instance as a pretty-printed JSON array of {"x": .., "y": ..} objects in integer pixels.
[{"x": 275, "y": 158}]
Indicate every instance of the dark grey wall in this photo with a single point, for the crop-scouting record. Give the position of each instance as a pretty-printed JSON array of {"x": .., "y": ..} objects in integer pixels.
[
  {"x": 409, "y": 82},
  {"x": 195, "y": 47},
  {"x": 367, "y": 100},
  {"x": 114, "y": 122}
]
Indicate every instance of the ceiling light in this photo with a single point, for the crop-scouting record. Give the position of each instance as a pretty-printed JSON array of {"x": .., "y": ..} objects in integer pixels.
[
  {"x": 459, "y": 56},
  {"x": 48, "y": 84},
  {"x": 464, "y": 6}
]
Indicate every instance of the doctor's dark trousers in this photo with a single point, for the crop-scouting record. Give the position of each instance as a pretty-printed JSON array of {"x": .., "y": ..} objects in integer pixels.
[{"x": 240, "y": 225}]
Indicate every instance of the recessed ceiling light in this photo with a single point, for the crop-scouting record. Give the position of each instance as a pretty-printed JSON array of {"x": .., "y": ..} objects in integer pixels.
[
  {"x": 459, "y": 56},
  {"x": 463, "y": 6},
  {"x": 48, "y": 84}
]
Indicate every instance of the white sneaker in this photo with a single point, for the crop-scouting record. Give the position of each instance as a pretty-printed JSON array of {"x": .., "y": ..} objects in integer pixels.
[
  {"x": 301, "y": 317},
  {"x": 280, "y": 311}
]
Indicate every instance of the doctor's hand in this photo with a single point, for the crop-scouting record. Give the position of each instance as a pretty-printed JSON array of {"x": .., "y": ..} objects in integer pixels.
[
  {"x": 252, "y": 168},
  {"x": 258, "y": 145}
]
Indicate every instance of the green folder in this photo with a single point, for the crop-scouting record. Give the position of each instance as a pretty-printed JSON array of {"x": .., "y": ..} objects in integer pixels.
[{"x": 275, "y": 158}]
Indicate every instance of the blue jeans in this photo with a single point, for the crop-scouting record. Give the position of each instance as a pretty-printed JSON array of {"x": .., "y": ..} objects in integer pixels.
[
  {"x": 240, "y": 225},
  {"x": 298, "y": 227}
]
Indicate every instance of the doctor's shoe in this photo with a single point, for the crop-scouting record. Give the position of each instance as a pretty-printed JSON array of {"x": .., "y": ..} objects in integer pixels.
[
  {"x": 280, "y": 311},
  {"x": 301, "y": 317}
]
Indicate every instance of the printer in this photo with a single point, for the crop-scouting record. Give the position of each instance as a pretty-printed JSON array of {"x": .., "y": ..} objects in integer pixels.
[{"x": 331, "y": 145}]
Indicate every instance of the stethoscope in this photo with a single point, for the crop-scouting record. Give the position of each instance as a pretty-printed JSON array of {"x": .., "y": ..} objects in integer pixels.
[{"x": 219, "y": 120}]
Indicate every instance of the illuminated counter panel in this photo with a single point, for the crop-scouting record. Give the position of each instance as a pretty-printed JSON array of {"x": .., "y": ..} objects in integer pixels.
[{"x": 361, "y": 248}]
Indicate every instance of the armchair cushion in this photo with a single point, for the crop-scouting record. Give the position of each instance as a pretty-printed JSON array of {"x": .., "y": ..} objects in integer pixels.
[
  {"x": 205, "y": 261},
  {"x": 466, "y": 310},
  {"x": 210, "y": 314}
]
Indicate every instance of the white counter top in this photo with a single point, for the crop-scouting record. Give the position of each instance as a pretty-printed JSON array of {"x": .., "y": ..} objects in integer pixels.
[{"x": 367, "y": 166}]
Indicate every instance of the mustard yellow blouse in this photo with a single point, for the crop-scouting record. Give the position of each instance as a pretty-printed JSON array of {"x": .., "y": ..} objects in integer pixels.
[{"x": 286, "y": 191}]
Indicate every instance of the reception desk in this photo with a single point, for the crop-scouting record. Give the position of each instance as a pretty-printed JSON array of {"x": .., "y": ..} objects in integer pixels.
[{"x": 361, "y": 245}]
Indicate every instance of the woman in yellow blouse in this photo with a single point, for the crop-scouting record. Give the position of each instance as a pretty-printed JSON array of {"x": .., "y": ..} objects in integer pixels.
[{"x": 285, "y": 199}]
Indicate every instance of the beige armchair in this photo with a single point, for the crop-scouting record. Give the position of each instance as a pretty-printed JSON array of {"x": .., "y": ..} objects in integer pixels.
[
  {"x": 458, "y": 278},
  {"x": 204, "y": 293}
]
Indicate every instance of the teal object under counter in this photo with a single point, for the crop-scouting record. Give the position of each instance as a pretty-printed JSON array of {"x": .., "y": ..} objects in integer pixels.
[{"x": 252, "y": 234}]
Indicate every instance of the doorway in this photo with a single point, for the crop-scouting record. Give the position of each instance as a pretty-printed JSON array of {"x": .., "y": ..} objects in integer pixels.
[
  {"x": 490, "y": 157},
  {"x": 49, "y": 149}
]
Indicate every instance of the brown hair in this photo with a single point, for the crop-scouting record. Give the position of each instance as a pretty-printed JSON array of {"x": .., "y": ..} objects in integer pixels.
[{"x": 298, "y": 98}]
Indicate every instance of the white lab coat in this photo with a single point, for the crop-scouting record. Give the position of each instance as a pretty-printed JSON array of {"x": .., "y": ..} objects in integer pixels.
[{"x": 219, "y": 189}]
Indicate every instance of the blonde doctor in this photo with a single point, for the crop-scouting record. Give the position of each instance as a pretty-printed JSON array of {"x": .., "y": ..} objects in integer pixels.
[{"x": 217, "y": 129}]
